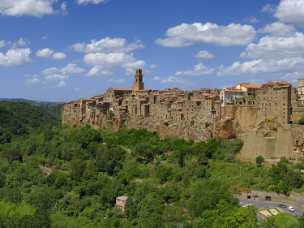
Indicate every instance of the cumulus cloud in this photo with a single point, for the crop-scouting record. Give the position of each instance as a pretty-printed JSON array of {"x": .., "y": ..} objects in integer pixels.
[
  {"x": 205, "y": 55},
  {"x": 189, "y": 34},
  {"x": 99, "y": 71},
  {"x": 21, "y": 42},
  {"x": 59, "y": 56},
  {"x": 198, "y": 70},
  {"x": 56, "y": 76},
  {"x": 15, "y": 56},
  {"x": 86, "y": 2},
  {"x": 108, "y": 53},
  {"x": 291, "y": 11},
  {"x": 276, "y": 47},
  {"x": 37, "y": 8},
  {"x": 107, "y": 59},
  {"x": 280, "y": 55},
  {"x": 258, "y": 66},
  {"x": 107, "y": 45},
  {"x": 279, "y": 29},
  {"x": 44, "y": 53},
  {"x": 49, "y": 53}
]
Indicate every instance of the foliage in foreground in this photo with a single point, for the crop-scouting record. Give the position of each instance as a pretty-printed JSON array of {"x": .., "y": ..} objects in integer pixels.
[{"x": 70, "y": 177}]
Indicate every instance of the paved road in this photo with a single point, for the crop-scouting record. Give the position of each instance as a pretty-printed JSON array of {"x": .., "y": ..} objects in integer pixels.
[{"x": 270, "y": 204}]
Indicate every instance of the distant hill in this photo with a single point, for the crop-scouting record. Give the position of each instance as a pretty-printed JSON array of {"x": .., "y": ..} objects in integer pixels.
[
  {"x": 22, "y": 100},
  {"x": 19, "y": 116}
]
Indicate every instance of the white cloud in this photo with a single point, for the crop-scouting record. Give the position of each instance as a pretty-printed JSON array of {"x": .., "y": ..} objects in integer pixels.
[
  {"x": 86, "y": 2},
  {"x": 172, "y": 80},
  {"x": 107, "y": 59},
  {"x": 59, "y": 76},
  {"x": 253, "y": 20},
  {"x": 64, "y": 8},
  {"x": 131, "y": 66},
  {"x": 65, "y": 71},
  {"x": 268, "y": 8},
  {"x": 107, "y": 45},
  {"x": 156, "y": 78},
  {"x": 276, "y": 47},
  {"x": 291, "y": 11},
  {"x": 33, "y": 80},
  {"x": 265, "y": 66},
  {"x": 44, "y": 53},
  {"x": 198, "y": 70},
  {"x": 189, "y": 34},
  {"x": 2, "y": 43},
  {"x": 279, "y": 29},
  {"x": 15, "y": 56},
  {"x": 275, "y": 54},
  {"x": 99, "y": 71},
  {"x": 204, "y": 55},
  {"x": 37, "y": 8},
  {"x": 49, "y": 53},
  {"x": 59, "y": 56},
  {"x": 21, "y": 42},
  {"x": 108, "y": 53}
]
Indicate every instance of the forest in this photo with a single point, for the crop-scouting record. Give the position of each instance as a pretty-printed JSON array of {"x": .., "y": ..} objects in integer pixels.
[{"x": 64, "y": 176}]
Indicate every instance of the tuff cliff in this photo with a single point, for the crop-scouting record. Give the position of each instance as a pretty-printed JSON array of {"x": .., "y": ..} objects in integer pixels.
[{"x": 261, "y": 115}]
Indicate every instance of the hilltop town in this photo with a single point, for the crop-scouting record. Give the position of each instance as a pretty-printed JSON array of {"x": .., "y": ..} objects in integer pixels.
[{"x": 265, "y": 116}]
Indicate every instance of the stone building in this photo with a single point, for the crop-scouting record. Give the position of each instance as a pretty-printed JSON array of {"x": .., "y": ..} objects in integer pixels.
[
  {"x": 263, "y": 116},
  {"x": 121, "y": 203},
  {"x": 300, "y": 93},
  {"x": 273, "y": 101}
]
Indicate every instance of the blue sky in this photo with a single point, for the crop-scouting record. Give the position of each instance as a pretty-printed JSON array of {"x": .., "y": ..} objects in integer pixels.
[{"x": 59, "y": 50}]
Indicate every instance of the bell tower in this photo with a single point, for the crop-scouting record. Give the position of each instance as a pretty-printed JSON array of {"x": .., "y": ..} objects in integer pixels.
[{"x": 138, "y": 81}]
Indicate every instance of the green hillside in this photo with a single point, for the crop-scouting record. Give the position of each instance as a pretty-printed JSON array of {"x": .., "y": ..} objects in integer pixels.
[
  {"x": 69, "y": 177},
  {"x": 18, "y": 118}
]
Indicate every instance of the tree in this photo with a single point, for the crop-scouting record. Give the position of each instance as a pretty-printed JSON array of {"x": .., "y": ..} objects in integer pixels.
[
  {"x": 77, "y": 169},
  {"x": 144, "y": 152},
  {"x": 150, "y": 211},
  {"x": 259, "y": 160},
  {"x": 301, "y": 121},
  {"x": 206, "y": 194},
  {"x": 110, "y": 160}
]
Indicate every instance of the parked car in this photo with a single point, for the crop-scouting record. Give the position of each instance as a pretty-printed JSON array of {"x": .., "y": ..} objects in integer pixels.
[
  {"x": 291, "y": 209},
  {"x": 268, "y": 198},
  {"x": 247, "y": 205},
  {"x": 282, "y": 206}
]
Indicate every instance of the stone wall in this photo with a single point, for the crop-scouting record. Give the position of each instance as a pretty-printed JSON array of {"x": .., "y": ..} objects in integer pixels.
[{"x": 273, "y": 141}]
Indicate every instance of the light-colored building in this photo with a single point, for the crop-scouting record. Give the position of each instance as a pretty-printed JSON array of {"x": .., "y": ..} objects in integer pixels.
[
  {"x": 121, "y": 203},
  {"x": 300, "y": 92},
  {"x": 241, "y": 94}
]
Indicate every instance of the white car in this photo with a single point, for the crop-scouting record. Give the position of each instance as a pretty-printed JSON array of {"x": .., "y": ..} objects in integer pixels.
[
  {"x": 247, "y": 205},
  {"x": 291, "y": 209}
]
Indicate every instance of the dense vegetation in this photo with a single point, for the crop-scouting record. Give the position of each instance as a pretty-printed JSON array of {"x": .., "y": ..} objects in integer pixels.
[
  {"x": 70, "y": 177},
  {"x": 19, "y": 118}
]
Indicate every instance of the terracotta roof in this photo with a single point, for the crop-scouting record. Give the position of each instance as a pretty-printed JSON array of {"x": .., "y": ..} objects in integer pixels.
[
  {"x": 276, "y": 84},
  {"x": 251, "y": 85},
  {"x": 232, "y": 89}
]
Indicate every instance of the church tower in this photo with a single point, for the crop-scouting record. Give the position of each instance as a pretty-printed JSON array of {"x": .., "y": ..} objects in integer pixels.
[{"x": 138, "y": 81}]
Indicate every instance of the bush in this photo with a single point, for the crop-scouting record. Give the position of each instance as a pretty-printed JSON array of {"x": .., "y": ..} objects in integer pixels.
[
  {"x": 301, "y": 121},
  {"x": 259, "y": 160}
]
